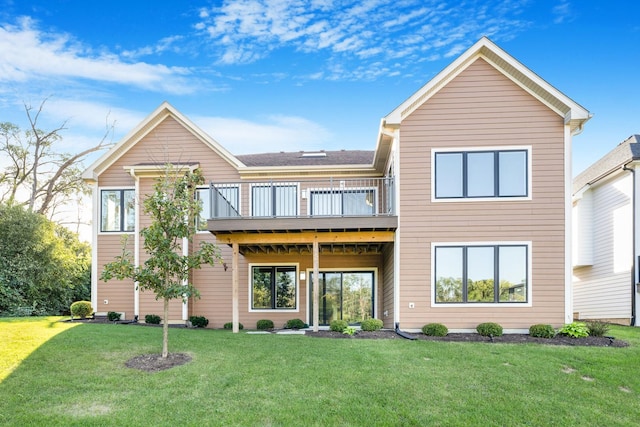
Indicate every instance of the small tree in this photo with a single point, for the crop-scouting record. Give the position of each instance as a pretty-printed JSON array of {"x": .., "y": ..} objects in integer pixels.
[{"x": 172, "y": 208}]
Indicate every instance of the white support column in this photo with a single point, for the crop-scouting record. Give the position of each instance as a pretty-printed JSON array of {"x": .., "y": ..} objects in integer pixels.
[
  {"x": 136, "y": 245},
  {"x": 185, "y": 304},
  {"x": 316, "y": 285},
  {"x": 234, "y": 293}
]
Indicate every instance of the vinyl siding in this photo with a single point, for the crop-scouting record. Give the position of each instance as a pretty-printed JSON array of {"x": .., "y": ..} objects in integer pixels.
[
  {"x": 482, "y": 108},
  {"x": 602, "y": 291}
]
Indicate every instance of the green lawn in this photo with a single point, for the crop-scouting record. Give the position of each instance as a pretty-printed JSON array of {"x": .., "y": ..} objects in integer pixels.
[{"x": 56, "y": 374}]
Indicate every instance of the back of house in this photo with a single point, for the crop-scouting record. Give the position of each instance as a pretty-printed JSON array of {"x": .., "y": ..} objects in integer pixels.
[{"x": 460, "y": 215}]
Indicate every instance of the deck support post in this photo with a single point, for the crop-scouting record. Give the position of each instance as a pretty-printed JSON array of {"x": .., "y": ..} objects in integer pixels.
[{"x": 234, "y": 295}]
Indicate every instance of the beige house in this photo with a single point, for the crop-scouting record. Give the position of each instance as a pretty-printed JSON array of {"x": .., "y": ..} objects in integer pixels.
[{"x": 460, "y": 215}]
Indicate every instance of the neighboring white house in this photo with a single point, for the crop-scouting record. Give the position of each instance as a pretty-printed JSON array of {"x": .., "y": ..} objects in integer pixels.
[{"x": 606, "y": 237}]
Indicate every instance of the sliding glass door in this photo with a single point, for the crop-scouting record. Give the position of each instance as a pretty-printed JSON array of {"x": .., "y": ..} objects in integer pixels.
[{"x": 346, "y": 295}]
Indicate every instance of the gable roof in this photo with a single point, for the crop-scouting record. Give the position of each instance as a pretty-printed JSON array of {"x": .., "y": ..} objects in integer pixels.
[
  {"x": 147, "y": 125},
  {"x": 627, "y": 151},
  {"x": 573, "y": 113}
]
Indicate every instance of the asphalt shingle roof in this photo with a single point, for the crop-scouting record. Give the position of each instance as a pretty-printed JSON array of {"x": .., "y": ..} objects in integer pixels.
[
  {"x": 625, "y": 152},
  {"x": 309, "y": 158}
]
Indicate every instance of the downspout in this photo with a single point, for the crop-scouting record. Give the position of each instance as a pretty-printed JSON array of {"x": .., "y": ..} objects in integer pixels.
[{"x": 633, "y": 244}]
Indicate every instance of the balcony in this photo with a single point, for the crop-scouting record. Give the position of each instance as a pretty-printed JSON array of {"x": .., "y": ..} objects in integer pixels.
[{"x": 327, "y": 205}]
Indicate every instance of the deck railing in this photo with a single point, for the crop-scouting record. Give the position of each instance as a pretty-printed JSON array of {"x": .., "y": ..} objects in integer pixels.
[{"x": 333, "y": 197}]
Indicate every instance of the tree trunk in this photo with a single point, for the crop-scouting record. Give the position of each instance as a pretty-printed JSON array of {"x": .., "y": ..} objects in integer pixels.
[{"x": 165, "y": 330}]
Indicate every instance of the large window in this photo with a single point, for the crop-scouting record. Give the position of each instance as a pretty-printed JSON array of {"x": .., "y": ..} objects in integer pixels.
[
  {"x": 273, "y": 287},
  {"x": 481, "y": 174},
  {"x": 481, "y": 274},
  {"x": 274, "y": 200},
  {"x": 118, "y": 210},
  {"x": 226, "y": 203},
  {"x": 343, "y": 202}
]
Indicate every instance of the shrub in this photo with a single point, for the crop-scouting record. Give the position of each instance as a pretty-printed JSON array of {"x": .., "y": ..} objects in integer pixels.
[
  {"x": 152, "y": 319},
  {"x": 113, "y": 316},
  {"x": 349, "y": 330},
  {"x": 264, "y": 324},
  {"x": 81, "y": 309},
  {"x": 198, "y": 321},
  {"x": 542, "y": 331},
  {"x": 489, "y": 329},
  {"x": 338, "y": 325},
  {"x": 294, "y": 324},
  {"x": 229, "y": 325},
  {"x": 371, "y": 325},
  {"x": 574, "y": 330},
  {"x": 435, "y": 330},
  {"x": 597, "y": 328}
]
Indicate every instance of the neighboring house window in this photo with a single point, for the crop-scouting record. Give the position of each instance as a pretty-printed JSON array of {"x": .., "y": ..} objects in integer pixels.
[
  {"x": 481, "y": 174},
  {"x": 481, "y": 274},
  {"x": 274, "y": 200},
  {"x": 118, "y": 210},
  {"x": 273, "y": 287},
  {"x": 226, "y": 203},
  {"x": 343, "y": 202}
]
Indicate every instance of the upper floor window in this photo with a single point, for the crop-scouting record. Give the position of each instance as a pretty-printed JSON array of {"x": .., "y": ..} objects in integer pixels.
[
  {"x": 118, "y": 210},
  {"x": 481, "y": 174},
  {"x": 274, "y": 200},
  {"x": 343, "y": 202},
  {"x": 481, "y": 274},
  {"x": 226, "y": 203}
]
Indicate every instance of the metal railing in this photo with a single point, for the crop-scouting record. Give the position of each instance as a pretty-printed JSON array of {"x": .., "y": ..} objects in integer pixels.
[{"x": 333, "y": 197}]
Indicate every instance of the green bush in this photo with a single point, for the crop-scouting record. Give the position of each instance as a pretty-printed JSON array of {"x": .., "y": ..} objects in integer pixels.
[
  {"x": 229, "y": 325},
  {"x": 542, "y": 331},
  {"x": 152, "y": 319},
  {"x": 81, "y": 309},
  {"x": 435, "y": 330},
  {"x": 295, "y": 324},
  {"x": 597, "y": 328},
  {"x": 371, "y": 325},
  {"x": 574, "y": 330},
  {"x": 113, "y": 316},
  {"x": 350, "y": 330},
  {"x": 338, "y": 325},
  {"x": 198, "y": 321},
  {"x": 489, "y": 329},
  {"x": 264, "y": 324}
]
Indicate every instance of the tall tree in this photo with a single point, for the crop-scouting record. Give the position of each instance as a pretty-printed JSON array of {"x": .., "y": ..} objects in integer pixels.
[
  {"x": 35, "y": 173},
  {"x": 173, "y": 209},
  {"x": 43, "y": 266}
]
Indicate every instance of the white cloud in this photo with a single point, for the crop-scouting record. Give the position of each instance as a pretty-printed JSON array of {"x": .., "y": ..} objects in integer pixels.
[
  {"x": 28, "y": 54},
  {"x": 247, "y": 31},
  {"x": 275, "y": 133},
  {"x": 562, "y": 12}
]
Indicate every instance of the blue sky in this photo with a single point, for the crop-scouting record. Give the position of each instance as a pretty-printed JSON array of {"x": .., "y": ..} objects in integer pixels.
[{"x": 262, "y": 76}]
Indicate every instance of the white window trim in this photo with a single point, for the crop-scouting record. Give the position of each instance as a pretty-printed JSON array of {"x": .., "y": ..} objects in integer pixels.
[
  {"x": 435, "y": 151},
  {"x": 222, "y": 185},
  {"x": 309, "y": 271},
  {"x": 529, "y": 302},
  {"x": 340, "y": 190},
  {"x": 99, "y": 220},
  {"x": 274, "y": 184},
  {"x": 274, "y": 310}
]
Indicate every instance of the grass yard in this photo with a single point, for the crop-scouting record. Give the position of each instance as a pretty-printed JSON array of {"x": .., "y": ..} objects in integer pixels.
[{"x": 57, "y": 374}]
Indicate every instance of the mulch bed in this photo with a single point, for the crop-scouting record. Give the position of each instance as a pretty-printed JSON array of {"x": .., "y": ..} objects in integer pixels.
[
  {"x": 470, "y": 337},
  {"x": 155, "y": 362}
]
